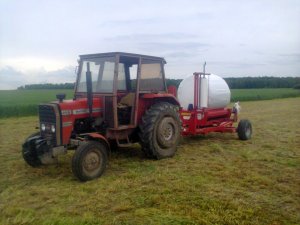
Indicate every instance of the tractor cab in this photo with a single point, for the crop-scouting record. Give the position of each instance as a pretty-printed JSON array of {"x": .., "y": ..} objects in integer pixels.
[{"x": 118, "y": 80}]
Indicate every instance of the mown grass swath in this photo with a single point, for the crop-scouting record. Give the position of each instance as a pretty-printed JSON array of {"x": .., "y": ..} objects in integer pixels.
[
  {"x": 216, "y": 179},
  {"x": 25, "y": 102}
]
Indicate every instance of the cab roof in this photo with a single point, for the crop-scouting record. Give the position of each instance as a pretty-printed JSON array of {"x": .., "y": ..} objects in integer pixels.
[{"x": 125, "y": 54}]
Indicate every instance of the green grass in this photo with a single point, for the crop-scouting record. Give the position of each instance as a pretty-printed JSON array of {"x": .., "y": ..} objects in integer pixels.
[
  {"x": 24, "y": 102},
  {"x": 216, "y": 179}
]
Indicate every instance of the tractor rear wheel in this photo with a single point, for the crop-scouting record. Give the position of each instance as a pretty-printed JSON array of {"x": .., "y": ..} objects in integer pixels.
[
  {"x": 29, "y": 152},
  {"x": 160, "y": 131},
  {"x": 89, "y": 160},
  {"x": 244, "y": 130}
]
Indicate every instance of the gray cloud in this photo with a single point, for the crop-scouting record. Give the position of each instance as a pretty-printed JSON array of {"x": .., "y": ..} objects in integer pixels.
[
  {"x": 236, "y": 38},
  {"x": 10, "y": 78}
]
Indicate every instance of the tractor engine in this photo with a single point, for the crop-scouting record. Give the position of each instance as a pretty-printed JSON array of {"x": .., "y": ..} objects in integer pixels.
[
  {"x": 44, "y": 146},
  {"x": 59, "y": 123}
]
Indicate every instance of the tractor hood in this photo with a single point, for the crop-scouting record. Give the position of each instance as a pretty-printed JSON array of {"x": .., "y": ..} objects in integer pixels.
[
  {"x": 58, "y": 118},
  {"x": 79, "y": 107}
]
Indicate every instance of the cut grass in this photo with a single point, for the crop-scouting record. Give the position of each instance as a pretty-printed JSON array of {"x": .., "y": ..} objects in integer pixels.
[
  {"x": 216, "y": 179},
  {"x": 25, "y": 102}
]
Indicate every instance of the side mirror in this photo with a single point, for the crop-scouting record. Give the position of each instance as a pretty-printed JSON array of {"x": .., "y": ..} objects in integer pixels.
[{"x": 61, "y": 97}]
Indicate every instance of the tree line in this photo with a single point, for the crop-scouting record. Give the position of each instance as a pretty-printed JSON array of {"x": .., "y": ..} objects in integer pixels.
[
  {"x": 233, "y": 83},
  {"x": 47, "y": 86},
  {"x": 263, "y": 82}
]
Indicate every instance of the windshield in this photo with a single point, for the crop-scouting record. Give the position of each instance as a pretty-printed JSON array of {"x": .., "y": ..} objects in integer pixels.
[{"x": 102, "y": 70}]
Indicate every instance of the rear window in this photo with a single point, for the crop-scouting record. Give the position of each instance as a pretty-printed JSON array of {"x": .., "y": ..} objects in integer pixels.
[{"x": 151, "y": 76}]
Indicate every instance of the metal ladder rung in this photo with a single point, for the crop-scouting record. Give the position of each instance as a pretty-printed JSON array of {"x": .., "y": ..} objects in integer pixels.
[{"x": 128, "y": 144}]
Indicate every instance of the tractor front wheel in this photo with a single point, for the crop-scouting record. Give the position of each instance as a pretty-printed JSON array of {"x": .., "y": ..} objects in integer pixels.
[
  {"x": 29, "y": 152},
  {"x": 244, "y": 130},
  {"x": 160, "y": 130},
  {"x": 89, "y": 160}
]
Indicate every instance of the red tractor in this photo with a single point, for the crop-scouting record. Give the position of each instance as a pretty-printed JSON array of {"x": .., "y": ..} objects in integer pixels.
[{"x": 120, "y": 99}]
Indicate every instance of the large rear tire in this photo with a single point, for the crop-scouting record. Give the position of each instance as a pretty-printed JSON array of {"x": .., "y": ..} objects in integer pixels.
[
  {"x": 244, "y": 130},
  {"x": 160, "y": 131},
  {"x": 89, "y": 160},
  {"x": 29, "y": 152}
]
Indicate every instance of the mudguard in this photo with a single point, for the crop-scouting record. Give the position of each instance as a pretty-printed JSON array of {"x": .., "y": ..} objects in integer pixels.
[{"x": 99, "y": 137}]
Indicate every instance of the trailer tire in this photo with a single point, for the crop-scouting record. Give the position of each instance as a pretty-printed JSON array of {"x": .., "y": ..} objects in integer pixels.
[
  {"x": 29, "y": 152},
  {"x": 244, "y": 130},
  {"x": 89, "y": 160},
  {"x": 160, "y": 131}
]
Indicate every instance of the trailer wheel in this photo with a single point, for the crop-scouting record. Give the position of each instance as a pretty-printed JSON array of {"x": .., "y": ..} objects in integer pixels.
[
  {"x": 160, "y": 131},
  {"x": 244, "y": 130},
  {"x": 29, "y": 152},
  {"x": 89, "y": 160}
]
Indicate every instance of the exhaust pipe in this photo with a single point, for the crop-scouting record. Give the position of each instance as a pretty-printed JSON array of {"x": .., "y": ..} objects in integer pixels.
[{"x": 89, "y": 89}]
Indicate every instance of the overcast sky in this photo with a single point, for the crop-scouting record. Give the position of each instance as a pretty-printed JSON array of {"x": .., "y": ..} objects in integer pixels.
[{"x": 40, "y": 40}]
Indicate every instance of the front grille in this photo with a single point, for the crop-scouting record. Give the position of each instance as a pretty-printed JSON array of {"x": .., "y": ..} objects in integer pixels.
[
  {"x": 47, "y": 114},
  {"x": 48, "y": 118}
]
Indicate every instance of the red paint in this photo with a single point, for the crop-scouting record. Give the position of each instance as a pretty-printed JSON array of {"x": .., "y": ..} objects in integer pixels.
[
  {"x": 72, "y": 106},
  {"x": 203, "y": 121}
]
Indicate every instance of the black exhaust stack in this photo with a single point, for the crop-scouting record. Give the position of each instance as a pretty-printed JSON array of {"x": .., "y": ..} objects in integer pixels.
[{"x": 89, "y": 89}]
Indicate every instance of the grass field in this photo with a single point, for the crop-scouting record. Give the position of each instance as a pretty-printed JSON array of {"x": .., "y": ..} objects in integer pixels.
[
  {"x": 24, "y": 102},
  {"x": 216, "y": 179}
]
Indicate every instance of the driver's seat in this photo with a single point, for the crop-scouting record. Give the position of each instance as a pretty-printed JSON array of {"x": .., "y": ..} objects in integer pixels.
[
  {"x": 125, "y": 107},
  {"x": 127, "y": 100}
]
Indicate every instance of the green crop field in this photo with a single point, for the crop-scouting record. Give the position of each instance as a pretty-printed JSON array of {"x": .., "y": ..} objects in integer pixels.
[
  {"x": 263, "y": 94},
  {"x": 216, "y": 179},
  {"x": 24, "y": 102},
  {"x": 30, "y": 97}
]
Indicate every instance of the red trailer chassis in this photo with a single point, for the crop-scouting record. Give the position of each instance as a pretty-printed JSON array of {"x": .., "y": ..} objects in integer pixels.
[{"x": 198, "y": 120}]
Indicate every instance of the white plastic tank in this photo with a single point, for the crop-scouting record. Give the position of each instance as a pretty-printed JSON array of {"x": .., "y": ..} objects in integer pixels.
[
  {"x": 214, "y": 92},
  {"x": 203, "y": 92}
]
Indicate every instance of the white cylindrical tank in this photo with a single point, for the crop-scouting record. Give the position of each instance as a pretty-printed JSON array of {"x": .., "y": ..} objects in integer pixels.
[
  {"x": 214, "y": 92},
  {"x": 203, "y": 92}
]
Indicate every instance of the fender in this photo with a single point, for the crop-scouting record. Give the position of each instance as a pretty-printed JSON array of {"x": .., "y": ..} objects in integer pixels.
[
  {"x": 163, "y": 97},
  {"x": 98, "y": 137}
]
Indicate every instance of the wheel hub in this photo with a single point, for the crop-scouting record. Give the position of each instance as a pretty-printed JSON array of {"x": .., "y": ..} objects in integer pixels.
[
  {"x": 91, "y": 161},
  {"x": 167, "y": 131},
  {"x": 166, "y": 134},
  {"x": 248, "y": 131}
]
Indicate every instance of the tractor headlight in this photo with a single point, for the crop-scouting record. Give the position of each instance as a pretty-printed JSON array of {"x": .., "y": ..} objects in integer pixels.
[
  {"x": 43, "y": 127},
  {"x": 52, "y": 128}
]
